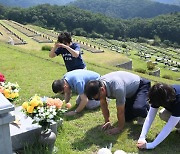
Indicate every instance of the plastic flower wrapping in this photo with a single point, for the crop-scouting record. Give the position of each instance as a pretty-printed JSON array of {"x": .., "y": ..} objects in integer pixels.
[
  {"x": 10, "y": 90},
  {"x": 44, "y": 110}
]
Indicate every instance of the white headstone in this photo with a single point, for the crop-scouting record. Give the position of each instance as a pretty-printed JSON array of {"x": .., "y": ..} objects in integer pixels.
[{"x": 5, "y": 118}]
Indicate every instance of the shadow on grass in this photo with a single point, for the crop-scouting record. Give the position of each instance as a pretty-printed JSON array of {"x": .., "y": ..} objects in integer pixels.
[
  {"x": 96, "y": 137},
  {"x": 170, "y": 145},
  {"x": 82, "y": 113},
  {"x": 134, "y": 130}
]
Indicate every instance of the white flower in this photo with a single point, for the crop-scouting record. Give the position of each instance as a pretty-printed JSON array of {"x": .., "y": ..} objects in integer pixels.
[
  {"x": 47, "y": 113},
  {"x": 16, "y": 90},
  {"x": 53, "y": 106},
  {"x": 36, "y": 119},
  {"x": 51, "y": 109},
  {"x": 2, "y": 83},
  {"x": 41, "y": 110},
  {"x": 51, "y": 116}
]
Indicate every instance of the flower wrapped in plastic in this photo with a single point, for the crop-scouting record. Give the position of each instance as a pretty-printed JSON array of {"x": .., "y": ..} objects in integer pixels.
[
  {"x": 44, "y": 111},
  {"x": 10, "y": 90}
]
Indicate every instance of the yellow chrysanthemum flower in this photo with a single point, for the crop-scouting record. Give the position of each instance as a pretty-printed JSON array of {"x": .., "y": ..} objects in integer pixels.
[
  {"x": 7, "y": 95},
  {"x": 40, "y": 103},
  {"x": 34, "y": 103},
  {"x": 30, "y": 109},
  {"x": 6, "y": 91},
  {"x": 25, "y": 105},
  {"x": 12, "y": 95}
]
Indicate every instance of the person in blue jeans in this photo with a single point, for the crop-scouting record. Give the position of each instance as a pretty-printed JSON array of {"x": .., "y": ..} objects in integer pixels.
[
  {"x": 130, "y": 92},
  {"x": 74, "y": 81},
  {"x": 70, "y": 52},
  {"x": 168, "y": 97}
]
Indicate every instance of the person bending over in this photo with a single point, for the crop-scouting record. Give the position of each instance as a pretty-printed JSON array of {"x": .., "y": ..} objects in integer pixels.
[
  {"x": 168, "y": 97},
  {"x": 130, "y": 92},
  {"x": 75, "y": 81}
]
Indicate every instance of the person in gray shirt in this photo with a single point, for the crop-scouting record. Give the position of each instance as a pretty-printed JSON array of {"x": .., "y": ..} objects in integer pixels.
[{"x": 130, "y": 92}]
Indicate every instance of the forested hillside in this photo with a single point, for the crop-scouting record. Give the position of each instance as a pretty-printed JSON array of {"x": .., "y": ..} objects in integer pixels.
[
  {"x": 172, "y": 2},
  {"x": 85, "y": 23},
  {"x": 28, "y": 3},
  {"x": 126, "y": 8}
]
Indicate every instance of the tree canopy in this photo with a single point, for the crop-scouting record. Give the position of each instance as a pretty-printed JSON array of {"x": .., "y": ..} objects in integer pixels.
[{"x": 80, "y": 22}]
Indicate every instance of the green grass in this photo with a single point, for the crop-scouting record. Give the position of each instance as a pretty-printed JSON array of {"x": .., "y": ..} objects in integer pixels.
[
  {"x": 79, "y": 134},
  {"x": 34, "y": 71}
]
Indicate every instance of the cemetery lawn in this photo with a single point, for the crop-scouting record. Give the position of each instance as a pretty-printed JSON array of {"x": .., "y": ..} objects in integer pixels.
[{"x": 35, "y": 72}]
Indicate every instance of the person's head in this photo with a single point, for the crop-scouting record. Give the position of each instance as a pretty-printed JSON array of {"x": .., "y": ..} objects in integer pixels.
[
  {"x": 58, "y": 86},
  {"x": 161, "y": 94},
  {"x": 93, "y": 89},
  {"x": 65, "y": 38}
]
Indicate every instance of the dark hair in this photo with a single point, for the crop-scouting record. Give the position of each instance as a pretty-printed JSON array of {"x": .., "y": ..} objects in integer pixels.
[
  {"x": 92, "y": 88},
  {"x": 161, "y": 94},
  {"x": 64, "y": 37},
  {"x": 58, "y": 86}
]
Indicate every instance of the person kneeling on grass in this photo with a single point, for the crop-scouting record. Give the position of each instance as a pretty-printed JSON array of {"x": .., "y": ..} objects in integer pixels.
[
  {"x": 130, "y": 92},
  {"x": 75, "y": 81},
  {"x": 168, "y": 97}
]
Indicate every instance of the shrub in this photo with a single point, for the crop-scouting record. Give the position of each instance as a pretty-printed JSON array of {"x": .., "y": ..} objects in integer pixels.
[
  {"x": 150, "y": 65},
  {"x": 140, "y": 70},
  {"x": 124, "y": 45},
  {"x": 167, "y": 77},
  {"x": 46, "y": 47}
]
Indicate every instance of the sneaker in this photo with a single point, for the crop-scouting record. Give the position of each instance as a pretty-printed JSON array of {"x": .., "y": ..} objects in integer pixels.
[{"x": 140, "y": 120}]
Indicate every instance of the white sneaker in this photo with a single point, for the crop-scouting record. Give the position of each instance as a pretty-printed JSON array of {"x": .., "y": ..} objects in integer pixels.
[{"x": 140, "y": 120}]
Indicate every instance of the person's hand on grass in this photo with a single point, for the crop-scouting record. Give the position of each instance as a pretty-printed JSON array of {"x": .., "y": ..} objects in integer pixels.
[
  {"x": 106, "y": 126},
  {"x": 141, "y": 144},
  {"x": 113, "y": 131},
  {"x": 70, "y": 113}
]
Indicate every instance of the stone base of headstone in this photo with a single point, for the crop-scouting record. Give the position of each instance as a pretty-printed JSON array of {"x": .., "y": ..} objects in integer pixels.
[
  {"x": 155, "y": 73},
  {"x": 25, "y": 133},
  {"x": 126, "y": 65}
]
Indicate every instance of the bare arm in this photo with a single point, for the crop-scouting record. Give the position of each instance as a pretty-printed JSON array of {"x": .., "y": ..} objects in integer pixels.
[
  {"x": 52, "y": 53},
  {"x": 120, "y": 116},
  {"x": 121, "y": 121},
  {"x": 67, "y": 97},
  {"x": 72, "y": 51},
  {"x": 83, "y": 102},
  {"x": 105, "y": 110}
]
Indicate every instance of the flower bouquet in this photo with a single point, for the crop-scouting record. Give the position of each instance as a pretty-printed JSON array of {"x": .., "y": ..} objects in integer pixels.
[
  {"x": 10, "y": 90},
  {"x": 44, "y": 110}
]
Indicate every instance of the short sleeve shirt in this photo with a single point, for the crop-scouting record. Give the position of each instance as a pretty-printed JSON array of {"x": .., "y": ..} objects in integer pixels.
[
  {"x": 78, "y": 78},
  {"x": 71, "y": 62},
  {"x": 175, "y": 106},
  {"x": 121, "y": 85}
]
